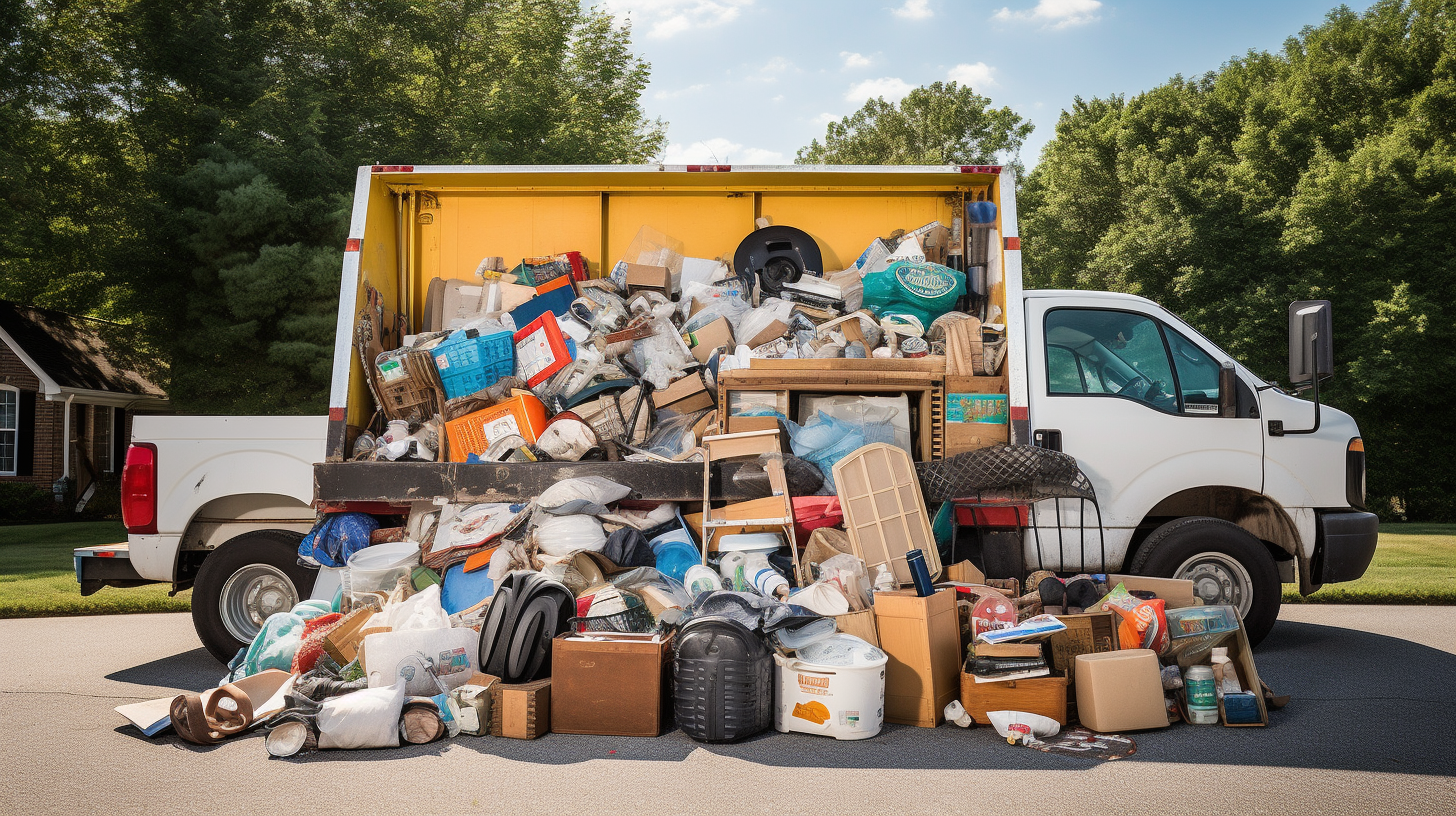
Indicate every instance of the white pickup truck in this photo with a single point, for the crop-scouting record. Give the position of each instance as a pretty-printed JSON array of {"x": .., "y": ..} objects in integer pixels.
[{"x": 1201, "y": 469}]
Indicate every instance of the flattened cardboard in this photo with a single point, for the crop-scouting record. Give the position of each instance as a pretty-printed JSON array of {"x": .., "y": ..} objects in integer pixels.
[
  {"x": 1120, "y": 691},
  {"x": 964, "y": 573},
  {"x": 1175, "y": 593},
  {"x": 922, "y": 638},
  {"x": 710, "y": 337},
  {"x": 768, "y": 334},
  {"x": 684, "y": 395},
  {"x": 610, "y": 687}
]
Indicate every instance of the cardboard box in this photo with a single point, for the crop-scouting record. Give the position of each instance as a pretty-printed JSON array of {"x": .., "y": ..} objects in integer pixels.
[
  {"x": 642, "y": 276},
  {"x": 1120, "y": 691},
  {"x": 1175, "y": 593},
  {"x": 861, "y": 624},
  {"x": 976, "y": 413},
  {"x": 520, "y": 710},
  {"x": 1241, "y": 654},
  {"x": 964, "y": 573},
  {"x": 684, "y": 395},
  {"x": 342, "y": 642},
  {"x": 715, "y": 334},
  {"x": 1046, "y": 696},
  {"x": 768, "y": 334},
  {"x": 619, "y": 687},
  {"x": 1090, "y": 633},
  {"x": 922, "y": 638}
]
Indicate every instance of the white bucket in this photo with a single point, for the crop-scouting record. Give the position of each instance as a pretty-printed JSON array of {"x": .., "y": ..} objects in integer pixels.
[
  {"x": 844, "y": 702},
  {"x": 378, "y": 568}
]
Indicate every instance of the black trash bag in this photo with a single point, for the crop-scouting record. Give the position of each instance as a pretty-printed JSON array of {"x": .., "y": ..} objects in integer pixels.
[{"x": 627, "y": 547}]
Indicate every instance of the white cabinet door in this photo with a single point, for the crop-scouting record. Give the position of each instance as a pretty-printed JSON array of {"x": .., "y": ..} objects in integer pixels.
[{"x": 1134, "y": 394}]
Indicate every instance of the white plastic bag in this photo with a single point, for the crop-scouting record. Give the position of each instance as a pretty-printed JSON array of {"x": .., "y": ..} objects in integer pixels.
[
  {"x": 559, "y": 535},
  {"x": 368, "y": 718},
  {"x": 418, "y": 612},
  {"x": 583, "y": 494},
  {"x": 428, "y": 662}
]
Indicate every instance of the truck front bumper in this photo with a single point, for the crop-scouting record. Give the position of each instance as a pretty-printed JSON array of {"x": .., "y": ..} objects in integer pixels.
[{"x": 1344, "y": 545}]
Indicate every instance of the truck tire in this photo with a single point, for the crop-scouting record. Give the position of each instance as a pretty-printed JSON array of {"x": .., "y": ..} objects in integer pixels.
[
  {"x": 244, "y": 581},
  {"x": 1226, "y": 563}
]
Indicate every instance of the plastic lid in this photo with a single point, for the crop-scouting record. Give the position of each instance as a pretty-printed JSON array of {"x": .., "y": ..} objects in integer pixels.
[
  {"x": 383, "y": 556},
  {"x": 841, "y": 650},
  {"x": 750, "y": 542}
]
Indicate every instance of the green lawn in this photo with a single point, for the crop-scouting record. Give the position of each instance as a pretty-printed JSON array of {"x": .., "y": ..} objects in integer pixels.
[
  {"x": 1414, "y": 564},
  {"x": 37, "y": 577}
]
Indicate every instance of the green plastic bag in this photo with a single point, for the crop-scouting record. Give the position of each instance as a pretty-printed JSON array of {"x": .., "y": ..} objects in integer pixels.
[{"x": 921, "y": 289}]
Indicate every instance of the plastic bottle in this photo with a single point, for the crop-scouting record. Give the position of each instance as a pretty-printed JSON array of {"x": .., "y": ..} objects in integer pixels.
[
  {"x": 884, "y": 579},
  {"x": 701, "y": 579},
  {"x": 1202, "y": 701},
  {"x": 1225, "y": 672}
]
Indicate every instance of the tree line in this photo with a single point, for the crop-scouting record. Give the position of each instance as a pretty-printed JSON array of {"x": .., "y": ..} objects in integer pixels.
[{"x": 185, "y": 167}]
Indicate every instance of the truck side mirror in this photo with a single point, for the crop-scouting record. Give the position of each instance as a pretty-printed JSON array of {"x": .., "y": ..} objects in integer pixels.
[
  {"x": 1228, "y": 394},
  {"x": 1311, "y": 354}
]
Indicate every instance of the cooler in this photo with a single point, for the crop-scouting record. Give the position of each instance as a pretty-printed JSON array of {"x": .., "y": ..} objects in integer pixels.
[{"x": 835, "y": 686}]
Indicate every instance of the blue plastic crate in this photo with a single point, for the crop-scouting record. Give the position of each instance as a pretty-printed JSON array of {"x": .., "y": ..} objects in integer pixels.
[{"x": 469, "y": 361}]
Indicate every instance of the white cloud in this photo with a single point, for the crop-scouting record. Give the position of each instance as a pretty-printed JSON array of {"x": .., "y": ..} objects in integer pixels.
[
  {"x": 720, "y": 151},
  {"x": 891, "y": 88},
  {"x": 1055, "y": 13},
  {"x": 679, "y": 93},
  {"x": 914, "y": 10},
  {"x": 974, "y": 74},
  {"x": 854, "y": 60},
  {"x": 823, "y": 119},
  {"x": 664, "y": 19},
  {"x": 778, "y": 98},
  {"x": 771, "y": 71}
]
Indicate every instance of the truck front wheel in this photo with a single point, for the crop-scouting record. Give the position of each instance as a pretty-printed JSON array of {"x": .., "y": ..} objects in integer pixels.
[
  {"x": 1225, "y": 562},
  {"x": 241, "y": 583}
]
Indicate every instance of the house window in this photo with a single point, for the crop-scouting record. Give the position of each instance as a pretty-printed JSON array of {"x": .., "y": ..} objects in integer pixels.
[
  {"x": 105, "y": 428},
  {"x": 9, "y": 429}
]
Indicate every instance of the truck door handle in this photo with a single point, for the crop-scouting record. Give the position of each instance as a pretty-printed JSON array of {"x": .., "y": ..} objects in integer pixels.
[{"x": 1049, "y": 438}]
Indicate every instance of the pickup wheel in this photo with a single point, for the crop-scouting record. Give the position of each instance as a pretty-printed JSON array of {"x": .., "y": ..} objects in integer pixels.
[
  {"x": 244, "y": 581},
  {"x": 1226, "y": 563}
]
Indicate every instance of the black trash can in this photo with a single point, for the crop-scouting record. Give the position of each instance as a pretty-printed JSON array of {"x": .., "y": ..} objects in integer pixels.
[{"x": 723, "y": 681}]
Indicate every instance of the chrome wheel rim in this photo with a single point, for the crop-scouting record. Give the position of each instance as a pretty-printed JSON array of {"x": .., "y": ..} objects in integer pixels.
[
  {"x": 1219, "y": 579},
  {"x": 251, "y": 595}
]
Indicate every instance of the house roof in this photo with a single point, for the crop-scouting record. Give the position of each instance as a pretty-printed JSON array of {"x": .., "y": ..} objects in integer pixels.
[{"x": 73, "y": 352}]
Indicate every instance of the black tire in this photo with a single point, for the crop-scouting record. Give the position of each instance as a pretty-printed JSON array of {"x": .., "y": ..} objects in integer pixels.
[
  {"x": 1174, "y": 544},
  {"x": 277, "y": 549}
]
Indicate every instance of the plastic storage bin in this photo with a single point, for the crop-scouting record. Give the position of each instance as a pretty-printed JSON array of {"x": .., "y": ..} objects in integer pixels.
[
  {"x": 835, "y": 686},
  {"x": 469, "y": 361},
  {"x": 377, "y": 569},
  {"x": 723, "y": 681},
  {"x": 522, "y": 416}
]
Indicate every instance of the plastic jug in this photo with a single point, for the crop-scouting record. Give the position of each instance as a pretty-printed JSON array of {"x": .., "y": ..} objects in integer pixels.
[{"x": 676, "y": 554}]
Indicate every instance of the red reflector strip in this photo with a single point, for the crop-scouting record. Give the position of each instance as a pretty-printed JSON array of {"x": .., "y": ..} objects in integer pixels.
[
  {"x": 710, "y": 168},
  {"x": 1013, "y": 243},
  {"x": 392, "y": 168},
  {"x": 1018, "y": 413},
  {"x": 981, "y": 168},
  {"x": 105, "y": 554},
  {"x": 353, "y": 244},
  {"x": 336, "y": 414}
]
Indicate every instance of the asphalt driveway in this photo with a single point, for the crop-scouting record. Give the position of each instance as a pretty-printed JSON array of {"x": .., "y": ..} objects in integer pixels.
[{"x": 1371, "y": 729}]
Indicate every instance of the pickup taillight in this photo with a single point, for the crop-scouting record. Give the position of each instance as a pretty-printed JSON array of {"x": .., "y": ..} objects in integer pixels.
[{"x": 139, "y": 489}]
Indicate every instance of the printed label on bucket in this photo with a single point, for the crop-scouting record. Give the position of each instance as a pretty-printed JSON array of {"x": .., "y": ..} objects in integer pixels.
[{"x": 813, "y": 711}]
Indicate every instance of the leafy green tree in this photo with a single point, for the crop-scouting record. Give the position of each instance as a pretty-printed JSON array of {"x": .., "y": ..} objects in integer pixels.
[
  {"x": 939, "y": 123},
  {"x": 1327, "y": 170}
]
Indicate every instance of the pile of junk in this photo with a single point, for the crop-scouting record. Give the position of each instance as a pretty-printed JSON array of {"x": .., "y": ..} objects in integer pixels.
[{"x": 829, "y": 599}]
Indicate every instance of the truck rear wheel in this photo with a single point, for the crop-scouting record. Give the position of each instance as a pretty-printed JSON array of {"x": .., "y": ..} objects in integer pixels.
[
  {"x": 1226, "y": 563},
  {"x": 244, "y": 581}
]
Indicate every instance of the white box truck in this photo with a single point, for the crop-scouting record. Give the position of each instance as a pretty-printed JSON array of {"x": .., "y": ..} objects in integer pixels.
[{"x": 1201, "y": 469}]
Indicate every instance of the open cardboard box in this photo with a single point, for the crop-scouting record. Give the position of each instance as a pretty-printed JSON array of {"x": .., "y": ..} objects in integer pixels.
[
  {"x": 1241, "y": 654},
  {"x": 612, "y": 685},
  {"x": 1175, "y": 593}
]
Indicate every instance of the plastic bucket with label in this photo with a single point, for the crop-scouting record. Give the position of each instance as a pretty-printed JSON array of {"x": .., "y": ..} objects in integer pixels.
[{"x": 834, "y": 686}]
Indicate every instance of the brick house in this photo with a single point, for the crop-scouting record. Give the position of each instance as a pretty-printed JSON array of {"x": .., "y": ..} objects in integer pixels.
[{"x": 67, "y": 398}]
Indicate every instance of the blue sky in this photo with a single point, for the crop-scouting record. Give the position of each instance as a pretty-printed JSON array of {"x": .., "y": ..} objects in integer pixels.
[{"x": 751, "y": 81}]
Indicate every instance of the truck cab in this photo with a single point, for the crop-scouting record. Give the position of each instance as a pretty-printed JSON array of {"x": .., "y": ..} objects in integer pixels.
[{"x": 1200, "y": 469}]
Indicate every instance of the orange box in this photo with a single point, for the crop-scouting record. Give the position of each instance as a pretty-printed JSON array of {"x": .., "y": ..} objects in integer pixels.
[{"x": 523, "y": 415}]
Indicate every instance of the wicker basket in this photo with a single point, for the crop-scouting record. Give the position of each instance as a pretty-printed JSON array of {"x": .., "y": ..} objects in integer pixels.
[{"x": 411, "y": 389}]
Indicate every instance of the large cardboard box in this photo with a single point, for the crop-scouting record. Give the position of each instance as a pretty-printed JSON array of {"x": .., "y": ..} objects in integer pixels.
[
  {"x": 922, "y": 638},
  {"x": 619, "y": 687},
  {"x": 1120, "y": 691},
  {"x": 1046, "y": 696},
  {"x": 710, "y": 337},
  {"x": 684, "y": 395},
  {"x": 643, "y": 276},
  {"x": 977, "y": 413}
]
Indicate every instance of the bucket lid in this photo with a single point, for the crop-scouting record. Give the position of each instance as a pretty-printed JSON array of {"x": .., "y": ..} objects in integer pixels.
[
  {"x": 750, "y": 542},
  {"x": 841, "y": 650},
  {"x": 383, "y": 556}
]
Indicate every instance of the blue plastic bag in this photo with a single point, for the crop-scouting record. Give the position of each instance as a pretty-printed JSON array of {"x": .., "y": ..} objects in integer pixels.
[{"x": 336, "y": 537}]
